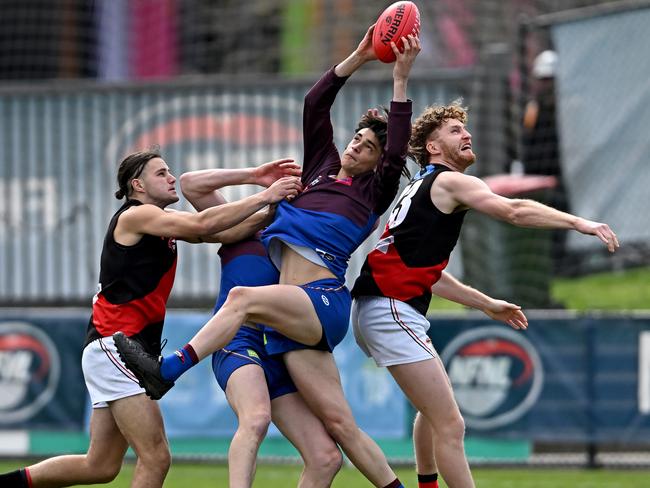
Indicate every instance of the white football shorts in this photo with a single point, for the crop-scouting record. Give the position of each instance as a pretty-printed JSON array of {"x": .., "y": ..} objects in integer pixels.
[
  {"x": 390, "y": 331},
  {"x": 107, "y": 378}
]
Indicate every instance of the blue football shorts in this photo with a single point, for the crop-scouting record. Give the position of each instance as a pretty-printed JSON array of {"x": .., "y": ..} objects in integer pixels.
[
  {"x": 332, "y": 302},
  {"x": 247, "y": 347}
]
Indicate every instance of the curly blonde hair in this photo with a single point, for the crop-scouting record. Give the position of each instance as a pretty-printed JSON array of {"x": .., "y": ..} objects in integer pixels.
[{"x": 430, "y": 121}]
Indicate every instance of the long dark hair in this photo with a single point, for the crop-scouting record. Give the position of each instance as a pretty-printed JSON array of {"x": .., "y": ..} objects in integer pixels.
[{"x": 130, "y": 168}]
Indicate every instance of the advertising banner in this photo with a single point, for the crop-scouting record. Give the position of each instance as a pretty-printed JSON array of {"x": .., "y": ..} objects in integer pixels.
[
  {"x": 41, "y": 383},
  {"x": 565, "y": 379},
  {"x": 574, "y": 379}
]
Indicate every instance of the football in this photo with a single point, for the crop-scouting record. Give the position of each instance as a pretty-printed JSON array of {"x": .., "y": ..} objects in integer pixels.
[{"x": 398, "y": 20}]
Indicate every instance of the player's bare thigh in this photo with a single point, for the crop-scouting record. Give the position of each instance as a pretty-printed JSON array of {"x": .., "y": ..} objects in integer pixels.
[
  {"x": 247, "y": 391},
  {"x": 106, "y": 440},
  {"x": 317, "y": 378},
  {"x": 286, "y": 308},
  {"x": 298, "y": 423},
  {"x": 140, "y": 422},
  {"x": 424, "y": 381}
]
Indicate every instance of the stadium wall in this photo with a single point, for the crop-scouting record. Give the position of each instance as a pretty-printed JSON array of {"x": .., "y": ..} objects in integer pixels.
[{"x": 60, "y": 147}]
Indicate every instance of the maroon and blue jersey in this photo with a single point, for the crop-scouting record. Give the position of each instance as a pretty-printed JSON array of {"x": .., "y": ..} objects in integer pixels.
[{"x": 333, "y": 216}]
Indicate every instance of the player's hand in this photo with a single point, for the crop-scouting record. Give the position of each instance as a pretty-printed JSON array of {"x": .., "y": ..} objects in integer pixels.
[
  {"x": 287, "y": 187},
  {"x": 365, "y": 50},
  {"x": 508, "y": 313},
  {"x": 602, "y": 231},
  {"x": 269, "y": 173},
  {"x": 405, "y": 58},
  {"x": 374, "y": 113}
]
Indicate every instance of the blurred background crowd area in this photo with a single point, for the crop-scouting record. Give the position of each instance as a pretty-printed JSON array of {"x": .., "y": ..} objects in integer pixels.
[
  {"x": 551, "y": 86},
  {"x": 116, "y": 40}
]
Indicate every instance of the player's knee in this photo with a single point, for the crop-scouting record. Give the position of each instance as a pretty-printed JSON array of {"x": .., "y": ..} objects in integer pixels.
[
  {"x": 255, "y": 424},
  {"x": 335, "y": 462},
  {"x": 453, "y": 428},
  {"x": 239, "y": 296},
  {"x": 445, "y": 428},
  {"x": 339, "y": 426},
  {"x": 105, "y": 472},
  {"x": 161, "y": 463},
  {"x": 99, "y": 466},
  {"x": 158, "y": 459},
  {"x": 165, "y": 459},
  {"x": 327, "y": 461}
]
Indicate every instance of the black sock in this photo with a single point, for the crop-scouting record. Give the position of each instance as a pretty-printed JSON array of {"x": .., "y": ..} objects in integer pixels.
[{"x": 15, "y": 479}]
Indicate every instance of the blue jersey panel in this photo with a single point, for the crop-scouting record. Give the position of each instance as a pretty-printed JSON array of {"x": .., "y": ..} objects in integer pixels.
[
  {"x": 332, "y": 236},
  {"x": 246, "y": 270}
]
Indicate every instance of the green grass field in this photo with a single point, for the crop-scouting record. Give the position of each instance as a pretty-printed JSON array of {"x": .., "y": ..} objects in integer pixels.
[
  {"x": 211, "y": 476},
  {"x": 618, "y": 291},
  {"x": 624, "y": 290}
]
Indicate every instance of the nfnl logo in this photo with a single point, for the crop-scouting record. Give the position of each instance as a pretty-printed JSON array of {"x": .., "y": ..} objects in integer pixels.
[
  {"x": 496, "y": 374},
  {"x": 29, "y": 371}
]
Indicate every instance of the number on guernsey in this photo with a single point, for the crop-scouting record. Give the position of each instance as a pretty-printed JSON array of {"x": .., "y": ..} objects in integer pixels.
[{"x": 398, "y": 214}]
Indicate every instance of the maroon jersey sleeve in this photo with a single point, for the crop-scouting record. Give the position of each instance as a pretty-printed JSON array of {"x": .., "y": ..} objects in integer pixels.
[
  {"x": 318, "y": 134},
  {"x": 386, "y": 180}
]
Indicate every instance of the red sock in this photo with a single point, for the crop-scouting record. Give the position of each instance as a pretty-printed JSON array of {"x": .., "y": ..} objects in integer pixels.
[{"x": 428, "y": 480}]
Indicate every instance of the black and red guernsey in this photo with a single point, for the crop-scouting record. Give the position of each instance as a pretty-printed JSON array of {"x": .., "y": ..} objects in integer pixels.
[
  {"x": 414, "y": 248},
  {"x": 134, "y": 285}
]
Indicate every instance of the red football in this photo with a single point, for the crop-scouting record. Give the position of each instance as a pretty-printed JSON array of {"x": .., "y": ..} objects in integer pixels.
[{"x": 398, "y": 20}]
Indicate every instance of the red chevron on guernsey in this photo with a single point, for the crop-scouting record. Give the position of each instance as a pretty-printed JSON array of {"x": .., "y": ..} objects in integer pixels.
[
  {"x": 396, "y": 280},
  {"x": 133, "y": 316}
]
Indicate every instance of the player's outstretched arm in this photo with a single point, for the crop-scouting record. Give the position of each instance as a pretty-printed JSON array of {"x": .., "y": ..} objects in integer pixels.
[
  {"x": 150, "y": 219},
  {"x": 201, "y": 188},
  {"x": 256, "y": 222},
  {"x": 450, "y": 288},
  {"x": 465, "y": 191},
  {"x": 403, "y": 65}
]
